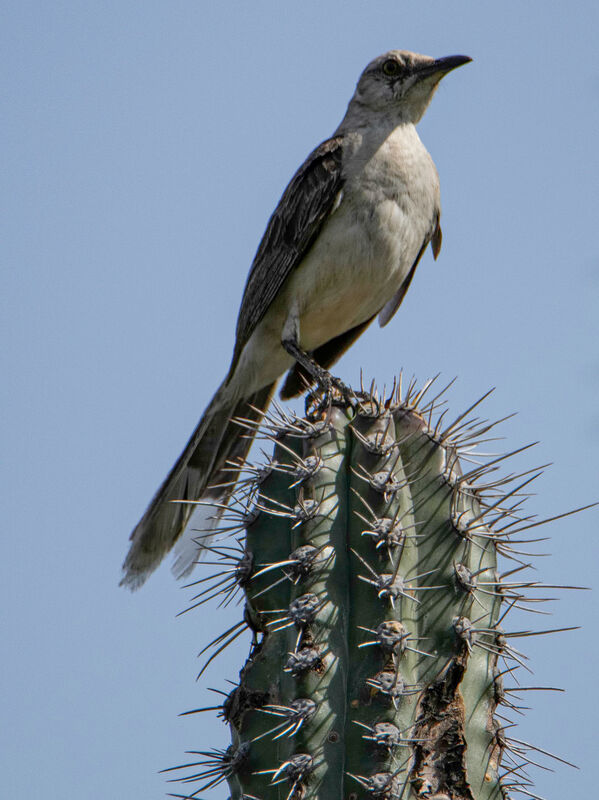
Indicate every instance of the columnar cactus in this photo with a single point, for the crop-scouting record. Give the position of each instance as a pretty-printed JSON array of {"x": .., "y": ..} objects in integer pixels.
[{"x": 369, "y": 566}]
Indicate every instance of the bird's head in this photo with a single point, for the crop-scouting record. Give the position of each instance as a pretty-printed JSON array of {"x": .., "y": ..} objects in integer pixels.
[{"x": 403, "y": 83}]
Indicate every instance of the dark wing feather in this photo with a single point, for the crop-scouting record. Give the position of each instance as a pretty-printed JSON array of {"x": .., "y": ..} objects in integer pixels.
[{"x": 304, "y": 207}]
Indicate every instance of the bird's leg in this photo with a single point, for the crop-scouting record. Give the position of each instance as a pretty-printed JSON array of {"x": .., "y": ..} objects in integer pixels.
[
  {"x": 321, "y": 376},
  {"x": 324, "y": 379}
]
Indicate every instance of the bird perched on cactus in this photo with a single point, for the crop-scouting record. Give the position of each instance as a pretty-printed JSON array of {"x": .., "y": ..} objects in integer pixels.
[{"x": 340, "y": 249}]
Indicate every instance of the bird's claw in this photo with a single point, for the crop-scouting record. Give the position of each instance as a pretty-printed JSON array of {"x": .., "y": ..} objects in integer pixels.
[{"x": 330, "y": 391}]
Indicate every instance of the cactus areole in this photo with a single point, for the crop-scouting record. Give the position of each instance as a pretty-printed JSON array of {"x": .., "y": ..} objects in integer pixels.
[{"x": 369, "y": 565}]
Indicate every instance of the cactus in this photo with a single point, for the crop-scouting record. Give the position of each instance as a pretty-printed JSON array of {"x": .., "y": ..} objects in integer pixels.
[{"x": 368, "y": 555}]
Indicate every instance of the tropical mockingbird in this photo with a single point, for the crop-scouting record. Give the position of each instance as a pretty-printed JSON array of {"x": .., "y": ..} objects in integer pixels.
[{"x": 341, "y": 248}]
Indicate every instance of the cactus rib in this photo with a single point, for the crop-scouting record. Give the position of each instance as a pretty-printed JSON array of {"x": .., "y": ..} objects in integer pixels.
[{"x": 370, "y": 572}]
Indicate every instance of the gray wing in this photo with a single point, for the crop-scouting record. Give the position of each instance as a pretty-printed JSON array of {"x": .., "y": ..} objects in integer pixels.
[
  {"x": 389, "y": 309},
  {"x": 302, "y": 210}
]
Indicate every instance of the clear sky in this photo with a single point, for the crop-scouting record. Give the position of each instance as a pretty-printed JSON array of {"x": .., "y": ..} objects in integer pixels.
[{"x": 145, "y": 145}]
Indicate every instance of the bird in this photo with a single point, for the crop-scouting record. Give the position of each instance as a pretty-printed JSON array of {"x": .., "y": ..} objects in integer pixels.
[{"x": 340, "y": 249}]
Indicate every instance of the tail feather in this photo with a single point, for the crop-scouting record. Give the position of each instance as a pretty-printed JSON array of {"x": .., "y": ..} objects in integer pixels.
[
  {"x": 215, "y": 441},
  {"x": 205, "y": 517},
  {"x": 199, "y": 533}
]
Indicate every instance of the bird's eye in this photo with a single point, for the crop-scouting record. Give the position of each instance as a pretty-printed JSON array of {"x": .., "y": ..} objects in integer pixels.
[{"x": 391, "y": 68}]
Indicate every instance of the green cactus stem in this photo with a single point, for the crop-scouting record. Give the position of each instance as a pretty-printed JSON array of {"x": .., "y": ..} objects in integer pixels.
[{"x": 370, "y": 572}]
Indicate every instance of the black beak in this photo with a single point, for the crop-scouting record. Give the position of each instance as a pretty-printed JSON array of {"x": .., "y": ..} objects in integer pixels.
[{"x": 441, "y": 66}]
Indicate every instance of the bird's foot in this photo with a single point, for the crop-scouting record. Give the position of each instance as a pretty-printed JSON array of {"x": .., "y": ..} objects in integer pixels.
[
  {"x": 330, "y": 391},
  {"x": 347, "y": 393},
  {"x": 329, "y": 388}
]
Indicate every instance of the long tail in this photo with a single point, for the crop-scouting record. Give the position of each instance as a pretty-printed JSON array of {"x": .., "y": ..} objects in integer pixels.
[{"x": 215, "y": 441}]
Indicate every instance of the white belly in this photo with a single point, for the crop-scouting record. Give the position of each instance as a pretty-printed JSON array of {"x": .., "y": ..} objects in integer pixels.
[
  {"x": 361, "y": 257},
  {"x": 358, "y": 263}
]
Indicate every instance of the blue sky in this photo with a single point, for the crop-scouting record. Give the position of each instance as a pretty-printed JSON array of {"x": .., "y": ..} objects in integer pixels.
[{"x": 145, "y": 147}]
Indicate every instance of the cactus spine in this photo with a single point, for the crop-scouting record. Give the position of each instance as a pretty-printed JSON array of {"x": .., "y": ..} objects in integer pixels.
[{"x": 369, "y": 566}]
